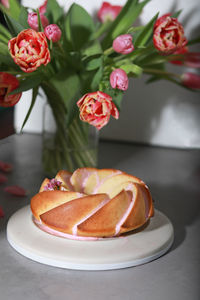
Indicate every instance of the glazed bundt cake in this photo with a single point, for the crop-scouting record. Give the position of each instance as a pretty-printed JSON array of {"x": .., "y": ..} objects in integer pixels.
[{"x": 92, "y": 203}]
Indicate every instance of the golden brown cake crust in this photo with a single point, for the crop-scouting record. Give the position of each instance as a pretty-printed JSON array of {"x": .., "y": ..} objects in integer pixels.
[{"x": 93, "y": 203}]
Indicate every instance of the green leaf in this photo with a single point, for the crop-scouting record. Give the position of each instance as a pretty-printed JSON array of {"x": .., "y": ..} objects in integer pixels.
[
  {"x": 124, "y": 21},
  {"x": 93, "y": 63},
  {"x": 34, "y": 96},
  {"x": 176, "y": 14},
  {"x": 23, "y": 17},
  {"x": 146, "y": 33},
  {"x": 93, "y": 48},
  {"x": 8, "y": 61},
  {"x": 79, "y": 26},
  {"x": 28, "y": 83},
  {"x": 96, "y": 78},
  {"x": 117, "y": 96},
  {"x": 154, "y": 58},
  {"x": 5, "y": 32},
  {"x": 54, "y": 11},
  {"x": 14, "y": 9},
  {"x": 4, "y": 40},
  {"x": 14, "y": 26},
  {"x": 132, "y": 69},
  {"x": 3, "y": 49},
  {"x": 66, "y": 83}
]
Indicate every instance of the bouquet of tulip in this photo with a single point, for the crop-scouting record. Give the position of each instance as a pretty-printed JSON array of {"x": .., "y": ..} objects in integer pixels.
[{"x": 84, "y": 66}]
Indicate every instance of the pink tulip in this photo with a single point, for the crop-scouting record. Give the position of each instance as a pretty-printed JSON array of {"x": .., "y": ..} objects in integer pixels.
[
  {"x": 3, "y": 178},
  {"x": 108, "y": 12},
  {"x": 123, "y": 44},
  {"x": 43, "y": 8},
  {"x": 15, "y": 190},
  {"x": 53, "y": 32},
  {"x": 5, "y": 3},
  {"x": 1, "y": 212},
  {"x": 192, "y": 59},
  {"x": 33, "y": 21},
  {"x": 6, "y": 167},
  {"x": 96, "y": 108},
  {"x": 168, "y": 35},
  {"x": 119, "y": 79},
  {"x": 191, "y": 80}
]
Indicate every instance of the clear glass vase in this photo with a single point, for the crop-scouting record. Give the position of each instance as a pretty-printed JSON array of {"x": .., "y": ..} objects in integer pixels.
[{"x": 67, "y": 147}]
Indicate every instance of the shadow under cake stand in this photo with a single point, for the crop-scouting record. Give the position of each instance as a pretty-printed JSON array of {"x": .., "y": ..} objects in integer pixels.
[{"x": 130, "y": 250}]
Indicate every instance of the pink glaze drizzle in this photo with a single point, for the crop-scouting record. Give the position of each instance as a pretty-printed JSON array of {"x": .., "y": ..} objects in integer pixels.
[
  {"x": 103, "y": 180},
  {"x": 127, "y": 212}
]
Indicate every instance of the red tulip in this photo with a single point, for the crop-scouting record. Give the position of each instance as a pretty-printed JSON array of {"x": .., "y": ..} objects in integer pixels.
[
  {"x": 96, "y": 108},
  {"x": 168, "y": 35},
  {"x": 53, "y": 32},
  {"x": 43, "y": 7},
  {"x": 119, "y": 79},
  {"x": 191, "y": 80},
  {"x": 8, "y": 83},
  {"x": 15, "y": 190},
  {"x": 29, "y": 50},
  {"x": 108, "y": 12}
]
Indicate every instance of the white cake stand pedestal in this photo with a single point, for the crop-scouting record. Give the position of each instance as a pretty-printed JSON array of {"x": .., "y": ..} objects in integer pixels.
[{"x": 106, "y": 254}]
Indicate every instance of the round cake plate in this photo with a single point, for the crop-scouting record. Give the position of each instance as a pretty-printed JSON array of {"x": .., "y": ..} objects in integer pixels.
[{"x": 105, "y": 254}]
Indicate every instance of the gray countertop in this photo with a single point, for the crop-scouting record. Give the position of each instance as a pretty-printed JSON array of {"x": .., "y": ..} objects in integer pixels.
[{"x": 174, "y": 180}]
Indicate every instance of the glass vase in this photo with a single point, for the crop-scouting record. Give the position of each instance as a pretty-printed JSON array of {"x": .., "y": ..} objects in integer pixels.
[{"x": 67, "y": 147}]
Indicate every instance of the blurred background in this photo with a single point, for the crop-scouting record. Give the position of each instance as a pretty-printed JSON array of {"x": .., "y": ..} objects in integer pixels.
[{"x": 160, "y": 113}]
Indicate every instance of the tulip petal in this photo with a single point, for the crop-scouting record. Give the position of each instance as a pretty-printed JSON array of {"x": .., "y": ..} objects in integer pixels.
[{"x": 15, "y": 190}]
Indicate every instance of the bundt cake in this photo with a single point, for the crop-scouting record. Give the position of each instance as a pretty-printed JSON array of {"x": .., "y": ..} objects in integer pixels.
[{"x": 92, "y": 203}]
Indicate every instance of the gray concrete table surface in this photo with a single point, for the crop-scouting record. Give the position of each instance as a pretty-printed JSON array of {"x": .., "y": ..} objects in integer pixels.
[{"x": 174, "y": 180}]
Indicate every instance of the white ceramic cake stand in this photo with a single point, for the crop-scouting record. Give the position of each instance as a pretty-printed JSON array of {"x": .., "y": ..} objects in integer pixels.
[{"x": 111, "y": 253}]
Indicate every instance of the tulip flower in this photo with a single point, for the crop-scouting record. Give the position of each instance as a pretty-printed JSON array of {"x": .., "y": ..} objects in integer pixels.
[
  {"x": 119, "y": 79},
  {"x": 53, "y": 32},
  {"x": 8, "y": 83},
  {"x": 96, "y": 108},
  {"x": 29, "y": 50},
  {"x": 191, "y": 80},
  {"x": 192, "y": 59},
  {"x": 123, "y": 44},
  {"x": 15, "y": 190},
  {"x": 168, "y": 36},
  {"x": 108, "y": 12},
  {"x": 43, "y": 8},
  {"x": 5, "y": 3},
  {"x": 33, "y": 21}
]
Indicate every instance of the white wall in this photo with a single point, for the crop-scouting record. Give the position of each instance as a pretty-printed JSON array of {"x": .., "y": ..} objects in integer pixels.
[{"x": 160, "y": 113}]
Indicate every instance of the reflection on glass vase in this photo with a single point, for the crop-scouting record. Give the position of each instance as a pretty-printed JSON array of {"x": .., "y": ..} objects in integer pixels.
[{"x": 67, "y": 147}]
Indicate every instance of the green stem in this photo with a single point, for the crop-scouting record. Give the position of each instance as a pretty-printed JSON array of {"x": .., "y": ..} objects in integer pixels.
[{"x": 160, "y": 72}]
